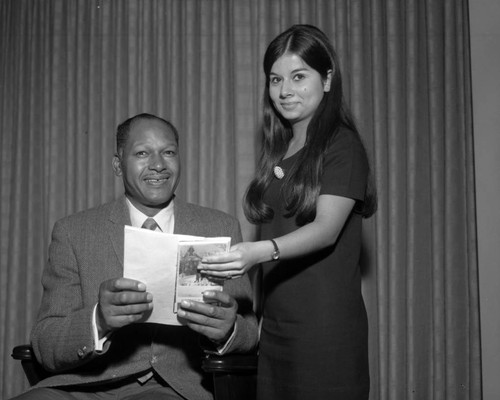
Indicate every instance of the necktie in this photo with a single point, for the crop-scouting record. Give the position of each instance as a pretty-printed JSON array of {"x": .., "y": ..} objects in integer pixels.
[{"x": 150, "y": 224}]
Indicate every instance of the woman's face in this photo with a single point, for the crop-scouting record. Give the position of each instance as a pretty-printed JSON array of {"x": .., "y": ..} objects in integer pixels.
[{"x": 296, "y": 89}]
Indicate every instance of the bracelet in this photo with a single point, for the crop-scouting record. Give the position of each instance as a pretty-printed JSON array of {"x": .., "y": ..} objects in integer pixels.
[{"x": 276, "y": 253}]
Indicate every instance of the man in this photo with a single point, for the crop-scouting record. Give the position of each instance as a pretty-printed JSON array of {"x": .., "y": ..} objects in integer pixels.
[{"x": 87, "y": 331}]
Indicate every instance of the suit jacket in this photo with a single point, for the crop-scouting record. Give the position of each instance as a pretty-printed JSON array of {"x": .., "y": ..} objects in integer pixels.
[{"x": 86, "y": 249}]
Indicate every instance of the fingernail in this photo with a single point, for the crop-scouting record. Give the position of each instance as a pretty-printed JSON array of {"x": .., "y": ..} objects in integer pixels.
[
  {"x": 209, "y": 293},
  {"x": 185, "y": 303},
  {"x": 141, "y": 286}
]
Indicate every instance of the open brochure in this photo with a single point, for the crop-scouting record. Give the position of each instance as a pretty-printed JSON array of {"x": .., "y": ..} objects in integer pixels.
[{"x": 167, "y": 264}]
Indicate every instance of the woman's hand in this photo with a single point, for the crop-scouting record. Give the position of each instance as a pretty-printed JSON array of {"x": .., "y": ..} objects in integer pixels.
[
  {"x": 331, "y": 214},
  {"x": 240, "y": 258}
]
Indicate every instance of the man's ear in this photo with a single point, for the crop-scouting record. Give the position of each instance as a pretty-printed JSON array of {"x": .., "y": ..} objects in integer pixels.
[
  {"x": 117, "y": 165},
  {"x": 328, "y": 81}
]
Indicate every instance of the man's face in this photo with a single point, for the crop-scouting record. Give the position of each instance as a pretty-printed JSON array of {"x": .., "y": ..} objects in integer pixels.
[{"x": 149, "y": 165}]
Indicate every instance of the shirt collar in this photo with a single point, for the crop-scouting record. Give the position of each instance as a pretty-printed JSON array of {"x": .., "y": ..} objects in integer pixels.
[{"x": 164, "y": 218}]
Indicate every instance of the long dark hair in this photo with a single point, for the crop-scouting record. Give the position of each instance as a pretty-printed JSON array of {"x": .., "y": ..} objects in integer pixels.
[{"x": 302, "y": 183}]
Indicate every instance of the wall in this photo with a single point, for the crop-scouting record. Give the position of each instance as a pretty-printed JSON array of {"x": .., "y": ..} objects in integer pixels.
[{"x": 485, "y": 48}]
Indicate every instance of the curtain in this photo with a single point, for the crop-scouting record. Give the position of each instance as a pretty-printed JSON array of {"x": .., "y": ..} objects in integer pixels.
[{"x": 71, "y": 70}]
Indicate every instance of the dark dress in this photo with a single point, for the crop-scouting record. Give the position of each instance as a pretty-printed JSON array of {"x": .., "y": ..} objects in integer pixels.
[{"x": 314, "y": 339}]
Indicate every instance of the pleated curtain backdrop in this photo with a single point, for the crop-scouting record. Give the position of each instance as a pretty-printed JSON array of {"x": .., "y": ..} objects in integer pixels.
[{"x": 71, "y": 70}]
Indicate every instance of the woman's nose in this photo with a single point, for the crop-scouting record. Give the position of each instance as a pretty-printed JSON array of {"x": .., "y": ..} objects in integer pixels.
[{"x": 286, "y": 89}]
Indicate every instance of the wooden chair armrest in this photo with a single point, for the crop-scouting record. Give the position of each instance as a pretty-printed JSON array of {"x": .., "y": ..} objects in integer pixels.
[
  {"x": 234, "y": 375},
  {"x": 32, "y": 369},
  {"x": 230, "y": 363},
  {"x": 22, "y": 352}
]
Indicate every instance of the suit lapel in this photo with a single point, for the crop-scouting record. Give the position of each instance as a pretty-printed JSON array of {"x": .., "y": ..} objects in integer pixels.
[
  {"x": 184, "y": 218},
  {"x": 118, "y": 217}
]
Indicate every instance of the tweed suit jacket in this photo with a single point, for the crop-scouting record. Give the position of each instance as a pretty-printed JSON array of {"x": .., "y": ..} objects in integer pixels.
[{"x": 86, "y": 249}]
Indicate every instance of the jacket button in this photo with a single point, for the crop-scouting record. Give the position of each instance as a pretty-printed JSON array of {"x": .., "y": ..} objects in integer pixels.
[{"x": 81, "y": 352}]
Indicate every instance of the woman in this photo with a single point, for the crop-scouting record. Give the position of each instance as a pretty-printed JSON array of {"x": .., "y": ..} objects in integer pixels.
[{"x": 309, "y": 195}]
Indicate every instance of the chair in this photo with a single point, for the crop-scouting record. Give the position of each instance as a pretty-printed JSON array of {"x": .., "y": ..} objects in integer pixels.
[
  {"x": 234, "y": 375},
  {"x": 33, "y": 371}
]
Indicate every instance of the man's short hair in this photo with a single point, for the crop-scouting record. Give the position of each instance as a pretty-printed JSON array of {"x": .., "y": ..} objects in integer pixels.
[{"x": 124, "y": 128}]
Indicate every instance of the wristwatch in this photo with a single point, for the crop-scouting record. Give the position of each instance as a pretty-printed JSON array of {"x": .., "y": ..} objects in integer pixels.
[{"x": 276, "y": 253}]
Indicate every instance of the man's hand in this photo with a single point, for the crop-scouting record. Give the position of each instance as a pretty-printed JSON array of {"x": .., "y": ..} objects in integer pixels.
[
  {"x": 122, "y": 302},
  {"x": 214, "y": 319}
]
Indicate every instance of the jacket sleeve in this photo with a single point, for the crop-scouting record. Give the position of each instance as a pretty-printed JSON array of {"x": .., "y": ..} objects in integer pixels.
[{"x": 62, "y": 336}]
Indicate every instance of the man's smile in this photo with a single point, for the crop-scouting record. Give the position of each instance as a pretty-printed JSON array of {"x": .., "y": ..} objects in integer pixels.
[{"x": 156, "y": 180}]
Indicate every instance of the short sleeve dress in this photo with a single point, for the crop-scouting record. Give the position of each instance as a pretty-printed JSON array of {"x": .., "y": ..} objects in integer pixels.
[{"x": 314, "y": 338}]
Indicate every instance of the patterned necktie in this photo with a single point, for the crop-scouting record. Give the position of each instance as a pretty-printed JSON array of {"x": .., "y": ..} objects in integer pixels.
[{"x": 150, "y": 224}]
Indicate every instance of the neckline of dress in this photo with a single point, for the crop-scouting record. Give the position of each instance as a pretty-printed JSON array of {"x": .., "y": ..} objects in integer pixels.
[{"x": 292, "y": 156}]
